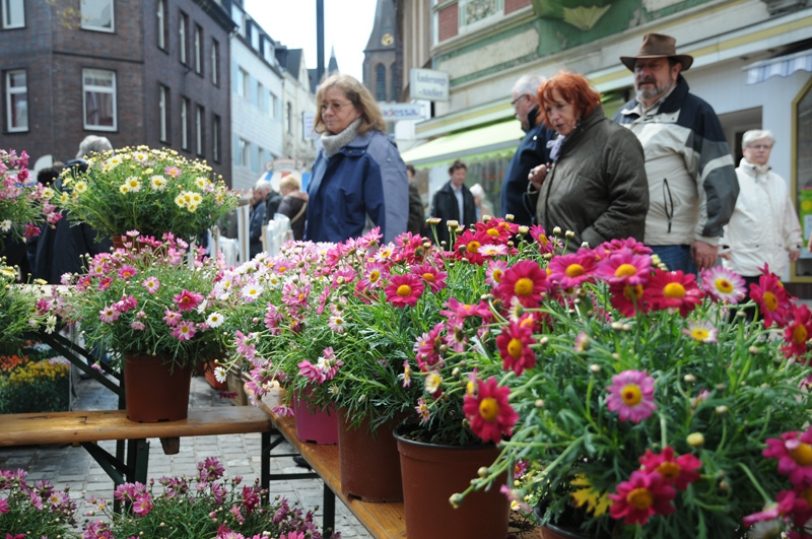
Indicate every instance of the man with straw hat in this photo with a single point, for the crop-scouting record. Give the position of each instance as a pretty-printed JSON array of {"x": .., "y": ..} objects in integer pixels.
[{"x": 691, "y": 174}]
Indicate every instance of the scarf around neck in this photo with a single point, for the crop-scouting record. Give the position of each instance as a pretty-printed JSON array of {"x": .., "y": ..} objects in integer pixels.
[{"x": 333, "y": 143}]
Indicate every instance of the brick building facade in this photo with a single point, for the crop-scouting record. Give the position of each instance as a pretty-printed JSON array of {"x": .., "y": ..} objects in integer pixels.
[{"x": 115, "y": 68}]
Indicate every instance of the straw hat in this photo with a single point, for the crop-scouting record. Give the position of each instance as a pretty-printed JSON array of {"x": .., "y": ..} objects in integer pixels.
[{"x": 658, "y": 46}]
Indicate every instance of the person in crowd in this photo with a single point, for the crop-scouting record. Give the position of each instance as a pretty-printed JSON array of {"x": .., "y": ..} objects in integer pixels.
[
  {"x": 63, "y": 248},
  {"x": 532, "y": 150},
  {"x": 692, "y": 181},
  {"x": 358, "y": 174},
  {"x": 453, "y": 202},
  {"x": 294, "y": 204},
  {"x": 272, "y": 201},
  {"x": 481, "y": 202},
  {"x": 596, "y": 186},
  {"x": 416, "y": 212},
  {"x": 764, "y": 227},
  {"x": 256, "y": 216}
]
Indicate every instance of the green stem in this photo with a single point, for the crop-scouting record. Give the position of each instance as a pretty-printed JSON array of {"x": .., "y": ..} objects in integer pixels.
[{"x": 755, "y": 482}]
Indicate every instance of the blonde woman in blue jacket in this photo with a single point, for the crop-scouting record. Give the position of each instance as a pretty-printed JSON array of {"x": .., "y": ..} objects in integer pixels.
[{"x": 358, "y": 176}]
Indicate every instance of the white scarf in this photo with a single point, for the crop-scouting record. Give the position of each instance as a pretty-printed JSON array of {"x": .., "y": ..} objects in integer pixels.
[{"x": 333, "y": 143}]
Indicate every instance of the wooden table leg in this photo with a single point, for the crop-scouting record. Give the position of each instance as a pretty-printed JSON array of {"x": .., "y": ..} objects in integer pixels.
[{"x": 329, "y": 520}]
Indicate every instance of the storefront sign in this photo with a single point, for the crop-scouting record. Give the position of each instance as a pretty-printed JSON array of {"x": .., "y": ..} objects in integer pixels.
[{"x": 428, "y": 84}]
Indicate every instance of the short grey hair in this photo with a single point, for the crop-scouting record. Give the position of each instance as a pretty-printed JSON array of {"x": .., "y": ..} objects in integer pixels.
[
  {"x": 93, "y": 144},
  {"x": 527, "y": 85},
  {"x": 262, "y": 184},
  {"x": 756, "y": 134}
]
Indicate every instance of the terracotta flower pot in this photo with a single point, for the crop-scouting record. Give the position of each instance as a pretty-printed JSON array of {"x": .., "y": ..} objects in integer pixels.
[
  {"x": 368, "y": 461},
  {"x": 319, "y": 426},
  {"x": 154, "y": 392},
  {"x": 431, "y": 474}
]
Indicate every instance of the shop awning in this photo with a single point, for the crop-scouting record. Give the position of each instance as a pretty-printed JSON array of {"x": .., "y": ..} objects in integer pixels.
[
  {"x": 782, "y": 66},
  {"x": 499, "y": 138}
]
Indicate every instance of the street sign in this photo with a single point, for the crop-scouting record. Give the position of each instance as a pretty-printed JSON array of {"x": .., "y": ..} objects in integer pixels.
[
  {"x": 394, "y": 112},
  {"x": 428, "y": 84}
]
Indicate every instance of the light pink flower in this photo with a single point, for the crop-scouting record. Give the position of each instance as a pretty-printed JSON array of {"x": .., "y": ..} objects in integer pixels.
[{"x": 631, "y": 395}]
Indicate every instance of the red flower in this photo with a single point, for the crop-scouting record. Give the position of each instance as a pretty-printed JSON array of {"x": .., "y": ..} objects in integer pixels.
[
  {"x": 187, "y": 300},
  {"x": 525, "y": 281},
  {"x": 680, "y": 471},
  {"x": 433, "y": 277},
  {"x": 793, "y": 451},
  {"x": 514, "y": 345},
  {"x": 488, "y": 411},
  {"x": 672, "y": 290},
  {"x": 771, "y": 298},
  {"x": 644, "y": 495},
  {"x": 497, "y": 231},
  {"x": 569, "y": 271},
  {"x": 404, "y": 290},
  {"x": 546, "y": 243},
  {"x": 468, "y": 245},
  {"x": 628, "y": 298},
  {"x": 797, "y": 330}
]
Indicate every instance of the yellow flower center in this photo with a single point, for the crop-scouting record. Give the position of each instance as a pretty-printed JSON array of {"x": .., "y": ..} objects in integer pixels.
[
  {"x": 404, "y": 290},
  {"x": 802, "y": 454},
  {"x": 770, "y": 301},
  {"x": 700, "y": 334},
  {"x": 374, "y": 275},
  {"x": 492, "y": 232},
  {"x": 674, "y": 291},
  {"x": 489, "y": 409},
  {"x": 806, "y": 494},
  {"x": 799, "y": 334},
  {"x": 523, "y": 287},
  {"x": 497, "y": 275},
  {"x": 723, "y": 285},
  {"x": 669, "y": 470},
  {"x": 625, "y": 270},
  {"x": 574, "y": 270},
  {"x": 631, "y": 394},
  {"x": 640, "y": 498},
  {"x": 473, "y": 247},
  {"x": 633, "y": 293},
  {"x": 515, "y": 348},
  {"x": 428, "y": 277}
]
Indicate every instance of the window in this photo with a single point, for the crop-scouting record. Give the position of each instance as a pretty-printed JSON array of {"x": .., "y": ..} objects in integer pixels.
[
  {"x": 163, "y": 113},
  {"x": 98, "y": 15},
  {"x": 198, "y": 49},
  {"x": 183, "y": 32},
  {"x": 260, "y": 161},
  {"x": 199, "y": 135},
  {"x": 215, "y": 62},
  {"x": 184, "y": 123},
  {"x": 16, "y": 101},
  {"x": 380, "y": 82},
  {"x": 289, "y": 118},
  {"x": 13, "y": 14},
  {"x": 242, "y": 152},
  {"x": 162, "y": 18},
  {"x": 262, "y": 98},
  {"x": 99, "y": 101},
  {"x": 274, "y": 105},
  {"x": 394, "y": 81},
  {"x": 215, "y": 138},
  {"x": 238, "y": 16},
  {"x": 242, "y": 83}
]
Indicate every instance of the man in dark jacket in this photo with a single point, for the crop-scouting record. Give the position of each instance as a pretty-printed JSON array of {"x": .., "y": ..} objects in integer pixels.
[
  {"x": 691, "y": 175},
  {"x": 532, "y": 151},
  {"x": 453, "y": 202},
  {"x": 416, "y": 212},
  {"x": 257, "y": 216}
]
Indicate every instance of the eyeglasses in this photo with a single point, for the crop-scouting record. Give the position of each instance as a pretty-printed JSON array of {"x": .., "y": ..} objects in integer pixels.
[
  {"x": 760, "y": 146},
  {"x": 335, "y": 106},
  {"x": 513, "y": 103}
]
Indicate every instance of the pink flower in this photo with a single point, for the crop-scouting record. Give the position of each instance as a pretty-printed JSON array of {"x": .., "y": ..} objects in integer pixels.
[
  {"x": 127, "y": 272},
  {"x": 525, "y": 281},
  {"x": 771, "y": 297},
  {"x": 569, "y": 271},
  {"x": 152, "y": 284},
  {"x": 644, "y": 495},
  {"x": 137, "y": 325},
  {"x": 187, "y": 300},
  {"x": 631, "y": 395},
  {"x": 404, "y": 290},
  {"x": 672, "y": 290},
  {"x": 495, "y": 272},
  {"x": 723, "y": 285},
  {"x": 680, "y": 471},
  {"x": 4, "y": 508},
  {"x": 625, "y": 267},
  {"x": 172, "y": 172},
  {"x": 427, "y": 348},
  {"x": 793, "y": 451},
  {"x": 172, "y": 318},
  {"x": 514, "y": 345},
  {"x": 142, "y": 505},
  {"x": 487, "y": 410},
  {"x": 432, "y": 277},
  {"x": 797, "y": 330},
  {"x": 184, "y": 331},
  {"x": 109, "y": 314}
]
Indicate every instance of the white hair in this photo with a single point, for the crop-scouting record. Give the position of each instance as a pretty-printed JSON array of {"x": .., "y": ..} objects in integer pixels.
[
  {"x": 756, "y": 134},
  {"x": 93, "y": 144},
  {"x": 262, "y": 184},
  {"x": 477, "y": 190},
  {"x": 527, "y": 85}
]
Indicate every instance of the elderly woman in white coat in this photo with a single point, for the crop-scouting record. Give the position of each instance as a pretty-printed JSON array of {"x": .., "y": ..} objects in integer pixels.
[{"x": 764, "y": 227}]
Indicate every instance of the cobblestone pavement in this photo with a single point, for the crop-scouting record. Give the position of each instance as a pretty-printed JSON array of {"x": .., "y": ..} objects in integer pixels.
[{"x": 239, "y": 453}]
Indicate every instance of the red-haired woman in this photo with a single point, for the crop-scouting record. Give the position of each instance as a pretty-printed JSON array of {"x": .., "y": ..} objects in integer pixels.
[{"x": 596, "y": 184}]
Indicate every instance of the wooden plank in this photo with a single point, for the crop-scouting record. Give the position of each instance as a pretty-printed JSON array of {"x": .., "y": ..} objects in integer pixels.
[{"x": 93, "y": 426}]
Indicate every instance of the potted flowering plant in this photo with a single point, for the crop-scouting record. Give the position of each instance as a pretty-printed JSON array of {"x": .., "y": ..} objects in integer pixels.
[
  {"x": 34, "y": 509},
  {"x": 23, "y": 207},
  {"x": 23, "y": 309},
  {"x": 206, "y": 505},
  {"x": 149, "y": 304},
  {"x": 646, "y": 406},
  {"x": 153, "y": 191}
]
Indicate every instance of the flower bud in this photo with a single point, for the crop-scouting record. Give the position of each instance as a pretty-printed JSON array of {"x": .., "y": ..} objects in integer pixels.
[
  {"x": 695, "y": 439},
  {"x": 433, "y": 221},
  {"x": 509, "y": 217},
  {"x": 540, "y": 403},
  {"x": 585, "y": 244},
  {"x": 569, "y": 234},
  {"x": 482, "y": 471},
  {"x": 544, "y": 340},
  {"x": 753, "y": 349},
  {"x": 595, "y": 368},
  {"x": 455, "y": 500},
  {"x": 724, "y": 486},
  {"x": 556, "y": 231},
  {"x": 689, "y": 378},
  {"x": 524, "y": 229},
  {"x": 452, "y": 223},
  {"x": 617, "y": 326},
  {"x": 455, "y": 372},
  {"x": 722, "y": 409}
]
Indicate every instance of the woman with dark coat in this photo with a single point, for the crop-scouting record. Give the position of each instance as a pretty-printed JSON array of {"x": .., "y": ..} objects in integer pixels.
[
  {"x": 596, "y": 185},
  {"x": 294, "y": 204},
  {"x": 453, "y": 202}
]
